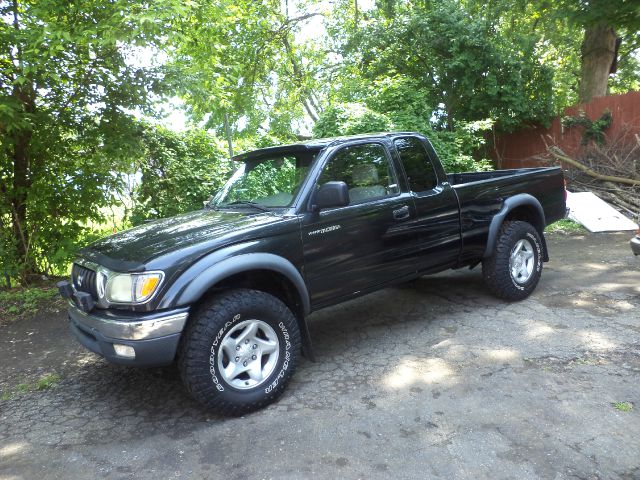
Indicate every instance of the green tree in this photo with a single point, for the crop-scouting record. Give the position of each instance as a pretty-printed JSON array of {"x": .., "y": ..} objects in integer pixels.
[
  {"x": 241, "y": 59},
  {"x": 66, "y": 83},
  {"x": 179, "y": 171},
  {"x": 606, "y": 24},
  {"x": 350, "y": 119},
  {"x": 460, "y": 65},
  {"x": 584, "y": 41},
  {"x": 455, "y": 149}
]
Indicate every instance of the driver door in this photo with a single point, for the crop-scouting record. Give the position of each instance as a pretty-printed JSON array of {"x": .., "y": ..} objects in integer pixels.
[{"x": 351, "y": 249}]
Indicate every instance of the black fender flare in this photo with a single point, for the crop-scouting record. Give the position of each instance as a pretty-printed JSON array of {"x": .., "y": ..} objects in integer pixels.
[
  {"x": 510, "y": 204},
  {"x": 212, "y": 269}
]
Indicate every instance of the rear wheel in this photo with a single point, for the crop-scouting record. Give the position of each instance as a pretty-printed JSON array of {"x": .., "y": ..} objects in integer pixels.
[
  {"x": 239, "y": 351},
  {"x": 514, "y": 269}
]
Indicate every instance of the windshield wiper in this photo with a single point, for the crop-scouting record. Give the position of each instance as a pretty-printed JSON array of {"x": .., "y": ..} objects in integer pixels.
[{"x": 246, "y": 202}]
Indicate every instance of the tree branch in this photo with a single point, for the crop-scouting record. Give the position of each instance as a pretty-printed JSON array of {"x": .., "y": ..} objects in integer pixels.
[{"x": 559, "y": 155}]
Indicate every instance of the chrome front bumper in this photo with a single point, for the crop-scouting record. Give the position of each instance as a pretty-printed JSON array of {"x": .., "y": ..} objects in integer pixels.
[
  {"x": 129, "y": 327},
  {"x": 154, "y": 337}
]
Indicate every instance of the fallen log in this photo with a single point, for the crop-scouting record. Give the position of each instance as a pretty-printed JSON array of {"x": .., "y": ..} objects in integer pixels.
[{"x": 559, "y": 155}]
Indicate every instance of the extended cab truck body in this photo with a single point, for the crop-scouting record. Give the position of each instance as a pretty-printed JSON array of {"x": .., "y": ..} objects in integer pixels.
[{"x": 226, "y": 291}]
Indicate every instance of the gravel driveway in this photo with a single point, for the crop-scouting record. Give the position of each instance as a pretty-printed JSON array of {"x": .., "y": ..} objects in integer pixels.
[{"x": 433, "y": 379}]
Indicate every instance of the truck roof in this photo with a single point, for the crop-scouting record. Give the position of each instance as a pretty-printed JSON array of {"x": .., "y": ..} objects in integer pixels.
[{"x": 315, "y": 145}]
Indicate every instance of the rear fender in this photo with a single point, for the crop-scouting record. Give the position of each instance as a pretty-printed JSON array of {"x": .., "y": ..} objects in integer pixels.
[{"x": 510, "y": 204}]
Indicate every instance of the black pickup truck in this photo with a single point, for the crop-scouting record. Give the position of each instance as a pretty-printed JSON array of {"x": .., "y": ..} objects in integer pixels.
[{"x": 226, "y": 291}]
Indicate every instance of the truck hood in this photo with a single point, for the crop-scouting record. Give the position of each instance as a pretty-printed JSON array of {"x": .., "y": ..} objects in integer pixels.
[{"x": 137, "y": 245}]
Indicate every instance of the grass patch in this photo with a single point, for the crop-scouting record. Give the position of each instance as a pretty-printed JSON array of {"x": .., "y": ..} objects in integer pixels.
[
  {"x": 48, "y": 381},
  {"x": 18, "y": 303},
  {"x": 623, "y": 406},
  {"x": 45, "y": 382},
  {"x": 565, "y": 226}
]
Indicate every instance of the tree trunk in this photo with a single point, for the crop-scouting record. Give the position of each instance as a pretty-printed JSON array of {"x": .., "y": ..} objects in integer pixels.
[
  {"x": 598, "y": 55},
  {"x": 24, "y": 95},
  {"x": 356, "y": 14},
  {"x": 22, "y": 179},
  {"x": 21, "y": 184}
]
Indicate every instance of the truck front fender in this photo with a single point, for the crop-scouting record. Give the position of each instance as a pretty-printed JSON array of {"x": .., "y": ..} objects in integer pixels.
[
  {"x": 194, "y": 283},
  {"x": 510, "y": 204},
  {"x": 212, "y": 269}
]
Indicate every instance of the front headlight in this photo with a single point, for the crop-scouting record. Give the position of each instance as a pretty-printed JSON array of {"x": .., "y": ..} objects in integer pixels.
[{"x": 132, "y": 288}]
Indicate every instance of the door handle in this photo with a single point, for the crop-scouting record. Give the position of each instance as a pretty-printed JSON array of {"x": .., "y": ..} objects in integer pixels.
[{"x": 401, "y": 213}]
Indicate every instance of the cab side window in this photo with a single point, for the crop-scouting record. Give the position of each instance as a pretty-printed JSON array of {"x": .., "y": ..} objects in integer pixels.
[
  {"x": 366, "y": 171},
  {"x": 417, "y": 165}
]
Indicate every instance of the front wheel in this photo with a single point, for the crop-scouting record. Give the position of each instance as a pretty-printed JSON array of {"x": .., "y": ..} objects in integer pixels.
[
  {"x": 239, "y": 351},
  {"x": 514, "y": 269}
]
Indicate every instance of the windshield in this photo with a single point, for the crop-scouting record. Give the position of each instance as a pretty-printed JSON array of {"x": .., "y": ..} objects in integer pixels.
[{"x": 267, "y": 181}]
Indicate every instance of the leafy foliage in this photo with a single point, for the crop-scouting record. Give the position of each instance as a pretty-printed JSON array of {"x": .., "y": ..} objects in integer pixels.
[
  {"x": 66, "y": 81},
  {"x": 460, "y": 66},
  {"x": 627, "y": 76},
  {"x": 240, "y": 60},
  {"x": 19, "y": 303},
  {"x": 350, "y": 119},
  {"x": 179, "y": 172},
  {"x": 593, "y": 130},
  {"x": 455, "y": 149}
]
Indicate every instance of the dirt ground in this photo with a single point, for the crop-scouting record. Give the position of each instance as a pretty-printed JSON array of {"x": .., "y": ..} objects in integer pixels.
[{"x": 433, "y": 379}]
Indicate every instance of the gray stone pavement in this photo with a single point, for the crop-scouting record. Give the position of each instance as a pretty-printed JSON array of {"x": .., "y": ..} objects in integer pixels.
[{"x": 432, "y": 379}]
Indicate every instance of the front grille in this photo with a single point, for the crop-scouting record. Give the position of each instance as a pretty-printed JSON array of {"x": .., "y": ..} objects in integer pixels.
[{"x": 84, "y": 279}]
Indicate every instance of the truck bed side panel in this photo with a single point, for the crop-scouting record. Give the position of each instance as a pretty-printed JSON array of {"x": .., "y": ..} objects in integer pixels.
[
  {"x": 482, "y": 197},
  {"x": 469, "y": 177}
]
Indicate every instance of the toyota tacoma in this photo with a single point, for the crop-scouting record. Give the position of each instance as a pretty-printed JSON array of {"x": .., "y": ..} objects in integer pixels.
[{"x": 226, "y": 291}]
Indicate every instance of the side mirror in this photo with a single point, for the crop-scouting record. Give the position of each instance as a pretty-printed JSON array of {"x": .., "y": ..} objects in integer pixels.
[
  {"x": 206, "y": 202},
  {"x": 331, "y": 194}
]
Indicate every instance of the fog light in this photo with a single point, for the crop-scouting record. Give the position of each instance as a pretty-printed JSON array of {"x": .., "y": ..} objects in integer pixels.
[{"x": 124, "y": 351}]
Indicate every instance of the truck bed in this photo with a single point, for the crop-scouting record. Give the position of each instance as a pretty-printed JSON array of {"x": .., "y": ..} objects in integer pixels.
[{"x": 481, "y": 196}]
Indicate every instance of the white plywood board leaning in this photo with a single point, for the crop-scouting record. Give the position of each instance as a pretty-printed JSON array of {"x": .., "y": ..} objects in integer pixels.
[{"x": 595, "y": 214}]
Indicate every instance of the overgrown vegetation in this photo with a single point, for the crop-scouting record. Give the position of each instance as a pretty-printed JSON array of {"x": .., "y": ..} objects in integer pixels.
[
  {"x": 19, "y": 303},
  {"x": 456, "y": 149},
  {"x": 76, "y": 161},
  {"x": 178, "y": 172},
  {"x": 593, "y": 130}
]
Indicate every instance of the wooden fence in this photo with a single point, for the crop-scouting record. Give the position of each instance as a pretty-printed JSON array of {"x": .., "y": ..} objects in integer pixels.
[{"x": 520, "y": 149}]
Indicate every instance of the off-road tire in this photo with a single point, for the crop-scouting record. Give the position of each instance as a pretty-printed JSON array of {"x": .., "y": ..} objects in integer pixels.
[
  {"x": 201, "y": 345},
  {"x": 497, "y": 270}
]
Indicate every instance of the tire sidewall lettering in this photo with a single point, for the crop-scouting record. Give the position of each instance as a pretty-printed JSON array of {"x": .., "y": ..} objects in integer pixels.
[
  {"x": 285, "y": 363},
  {"x": 213, "y": 352},
  {"x": 534, "y": 240}
]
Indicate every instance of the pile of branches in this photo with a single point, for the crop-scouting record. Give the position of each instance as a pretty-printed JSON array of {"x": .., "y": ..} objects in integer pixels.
[{"x": 610, "y": 170}]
